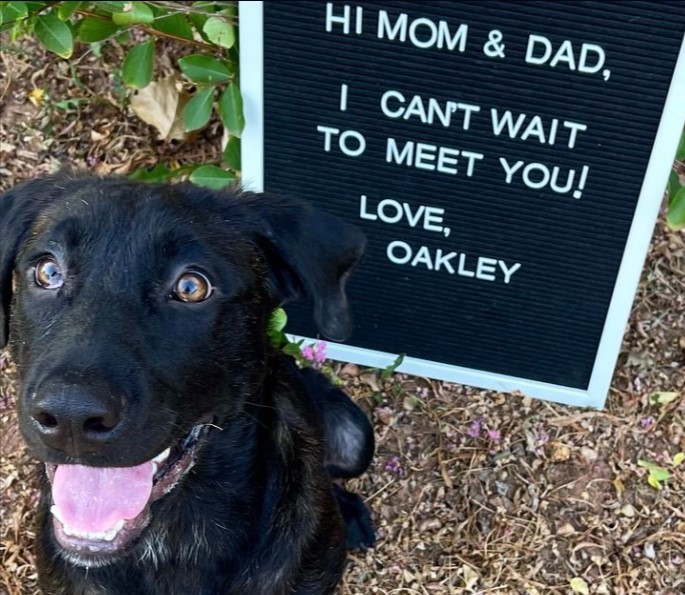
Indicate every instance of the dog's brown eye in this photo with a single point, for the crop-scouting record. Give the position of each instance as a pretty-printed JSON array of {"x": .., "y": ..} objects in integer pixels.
[
  {"x": 49, "y": 274},
  {"x": 192, "y": 287}
]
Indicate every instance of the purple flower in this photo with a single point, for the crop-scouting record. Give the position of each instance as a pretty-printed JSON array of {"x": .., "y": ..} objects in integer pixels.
[
  {"x": 393, "y": 465},
  {"x": 494, "y": 435},
  {"x": 320, "y": 352},
  {"x": 543, "y": 436},
  {"x": 315, "y": 353},
  {"x": 308, "y": 353},
  {"x": 475, "y": 428},
  {"x": 647, "y": 422}
]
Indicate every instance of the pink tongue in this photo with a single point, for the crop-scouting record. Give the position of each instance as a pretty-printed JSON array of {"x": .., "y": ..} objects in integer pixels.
[{"x": 94, "y": 499}]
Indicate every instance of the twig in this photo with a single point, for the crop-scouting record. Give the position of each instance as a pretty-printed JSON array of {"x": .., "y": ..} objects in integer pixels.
[{"x": 154, "y": 32}]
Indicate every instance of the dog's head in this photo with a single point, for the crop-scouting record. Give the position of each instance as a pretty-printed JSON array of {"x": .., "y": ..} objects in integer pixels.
[{"x": 137, "y": 314}]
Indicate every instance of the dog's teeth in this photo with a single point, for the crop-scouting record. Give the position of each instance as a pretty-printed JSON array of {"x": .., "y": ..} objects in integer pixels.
[
  {"x": 112, "y": 533},
  {"x": 159, "y": 460},
  {"x": 57, "y": 513},
  {"x": 161, "y": 457},
  {"x": 92, "y": 535}
]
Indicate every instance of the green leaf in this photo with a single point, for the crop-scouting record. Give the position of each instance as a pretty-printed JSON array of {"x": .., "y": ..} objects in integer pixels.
[
  {"x": 651, "y": 480},
  {"x": 277, "y": 323},
  {"x": 390, "y": 369},
  {"x": 34, "y": 6},
  {"x": 110, "y": 6},
  {"x": 134, "y": 13},
  {"x": 198, "y": 110},
  {"x": 198, "y": 20},
  {"x": 92, "y": 30},
  {"x": 231, "y": 110},
  {"x": 659, "y": 473},
  {"x": 204, "y": 5},
  {"x": 123, "y": 37},
  {"x": 139, "y": 65},
  {"x": 96, "y": 48},
  {"x": 232, "y": 153},
  {"x": 211, "y": 176},
  {"x": 656, "y": 474},
  {"x": 278, "y": 320},
  {"x": 231, "y": 10},
  {"x": 13, "y": 11},
  {"x": 55, "y": 35},
  {"x": 292, "y": 349},
  {"x": 673, "y": 185},
  {"x": 159, "y": 173},
  {"x": 678, "y": 459},
  {"x": 676, "y": 211},
  {"x": 70, "y": 104},
  {"x": 203, "y": 69},
  {"x": 175, "y": 24},
  {"x": 680, "y": 153},
  {"x": 662, "y": 398},
  {"x": 66, "y": 10},
  {"x": 220, "y": 32}
]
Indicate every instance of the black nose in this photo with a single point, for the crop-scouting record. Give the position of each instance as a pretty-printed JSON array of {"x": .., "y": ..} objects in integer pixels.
[{"x": 74, "y": 419}]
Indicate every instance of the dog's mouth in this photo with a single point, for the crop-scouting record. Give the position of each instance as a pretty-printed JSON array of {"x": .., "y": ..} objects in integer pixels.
[{"x": 98, "y": 511}]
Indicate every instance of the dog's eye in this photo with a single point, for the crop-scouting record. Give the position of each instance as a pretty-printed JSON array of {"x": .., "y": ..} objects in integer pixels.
[
  {"x": 192, "y": 287},
  {"x": 48, "y": 274}
]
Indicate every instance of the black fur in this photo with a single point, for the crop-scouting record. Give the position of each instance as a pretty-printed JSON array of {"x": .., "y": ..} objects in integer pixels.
[{"x": 257, "y": 514}]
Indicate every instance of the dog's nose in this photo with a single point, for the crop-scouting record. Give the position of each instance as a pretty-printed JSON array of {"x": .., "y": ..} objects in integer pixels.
[{"x": 76, "y": 420}]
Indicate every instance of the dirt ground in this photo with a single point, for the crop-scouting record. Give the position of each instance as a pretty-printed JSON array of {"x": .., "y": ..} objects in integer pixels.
[{"x": 472, "y": 491}]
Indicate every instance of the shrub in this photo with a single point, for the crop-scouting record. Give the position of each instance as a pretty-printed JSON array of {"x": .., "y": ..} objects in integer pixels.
[{"x": 210, "y": 68}]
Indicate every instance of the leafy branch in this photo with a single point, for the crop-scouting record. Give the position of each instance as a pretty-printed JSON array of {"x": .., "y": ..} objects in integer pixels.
[
  {"x": 208, "y": 27},
  {"x": 150, "y": 31}
]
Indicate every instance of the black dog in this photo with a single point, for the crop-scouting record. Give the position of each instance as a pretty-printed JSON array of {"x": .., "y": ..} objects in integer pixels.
[{"x": 184, "y": 454}]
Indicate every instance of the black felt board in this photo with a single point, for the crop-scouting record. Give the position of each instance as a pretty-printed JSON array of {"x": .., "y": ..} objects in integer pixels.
[{"x": 546, "y": 323}]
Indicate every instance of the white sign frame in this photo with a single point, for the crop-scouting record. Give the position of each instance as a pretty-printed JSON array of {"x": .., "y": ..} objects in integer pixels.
[{"x": 649, "y": 202}]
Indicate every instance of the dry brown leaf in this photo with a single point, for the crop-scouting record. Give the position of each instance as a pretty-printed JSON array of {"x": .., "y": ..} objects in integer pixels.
[
  {"x": 559, "y": 453},
  {"x": 620, "y": 488},
  {"x": 371, "y": 380},
  {"x": 470, "y": 576},
  {"x": 628, "y": 510},
  {"x": 160, "y": 104},
  {"x": 350, "y": 370}
]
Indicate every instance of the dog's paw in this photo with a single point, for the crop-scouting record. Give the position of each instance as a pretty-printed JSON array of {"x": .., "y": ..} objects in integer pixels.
[{"x": 360, "y": 533}]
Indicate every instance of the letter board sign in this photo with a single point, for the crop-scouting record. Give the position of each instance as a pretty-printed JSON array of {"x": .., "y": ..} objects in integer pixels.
[{"x": 506, "y": 160}]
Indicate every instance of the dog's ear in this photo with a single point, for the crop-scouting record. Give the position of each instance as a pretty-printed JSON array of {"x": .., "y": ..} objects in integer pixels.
[
  {"x": 310, "y": 254},
  {"x": 19, "y": 207}
]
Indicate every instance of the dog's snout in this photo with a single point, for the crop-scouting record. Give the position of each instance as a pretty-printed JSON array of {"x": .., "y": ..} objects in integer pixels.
[{"x": 76, "y": 420}]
